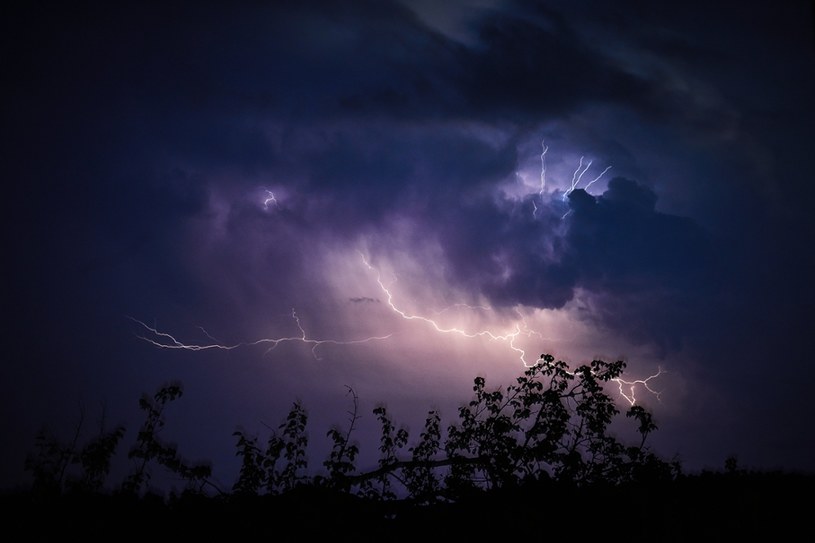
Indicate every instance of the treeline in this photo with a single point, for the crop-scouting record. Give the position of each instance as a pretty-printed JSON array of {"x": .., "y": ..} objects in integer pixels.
[
  {"x": 534, "y": 457},
  {"x": 552, "y": 423}
]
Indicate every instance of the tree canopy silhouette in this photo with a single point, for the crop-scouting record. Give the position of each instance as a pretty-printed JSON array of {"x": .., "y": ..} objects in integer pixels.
[
  {"x": 552, "y": 423},
  {"x": 541, "y": 448}
]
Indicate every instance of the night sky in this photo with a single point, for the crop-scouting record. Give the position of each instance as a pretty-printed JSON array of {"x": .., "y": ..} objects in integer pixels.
[{"x": 274, "y": 203}]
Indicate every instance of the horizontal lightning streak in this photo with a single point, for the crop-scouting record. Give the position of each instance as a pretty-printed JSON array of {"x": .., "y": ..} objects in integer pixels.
[
  {"x": 168, "y": 341},
  {"x": 164, "y": 340}
]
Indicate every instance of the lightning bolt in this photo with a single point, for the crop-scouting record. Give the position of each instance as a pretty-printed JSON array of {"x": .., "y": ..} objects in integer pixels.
[
  {"x": 270, "y": 199},
  {"x": 630, "y": 396},
  {"x": 204, "y": 332},
  {"x": 578, "y": 174},
  {"x": 520, "y": 327},
  {"x": 577, "y": 177},
  {"x": 508, "y": 337},
  {"x": 544, "y": 149},
  {"x": 593, "y": 181},
  {"x": 165, "y": 340}
]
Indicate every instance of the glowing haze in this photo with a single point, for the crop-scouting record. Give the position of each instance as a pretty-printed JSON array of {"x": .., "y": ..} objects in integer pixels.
[{"x": 275, "y": 203}]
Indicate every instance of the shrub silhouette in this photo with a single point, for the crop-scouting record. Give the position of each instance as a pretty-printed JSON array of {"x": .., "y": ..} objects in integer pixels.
[
  {"x": 551, "y": 424},
  {"x": 280, "y": 467},
  {"x": 58, "y": 467},
  {"x": 149, "y": 447},
  {"x": 533, "y": 458}
]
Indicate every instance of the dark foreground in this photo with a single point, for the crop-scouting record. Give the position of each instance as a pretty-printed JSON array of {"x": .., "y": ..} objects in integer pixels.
[{"x": 704, "y": 507}]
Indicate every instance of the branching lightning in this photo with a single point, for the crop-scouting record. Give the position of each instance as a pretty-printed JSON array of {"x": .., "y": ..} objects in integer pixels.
[
  {"x": 630, "y": 395},
  {"x": 626, "y": 388},
  {"x": 205, "y": 333},
  {"x": 577, "y": 176},
  {"x": 578, "y": 173},
  {"x": 164, "y": 340},
  {"x": 519, "y": 328},
  {"x": 167, "y": 341}
]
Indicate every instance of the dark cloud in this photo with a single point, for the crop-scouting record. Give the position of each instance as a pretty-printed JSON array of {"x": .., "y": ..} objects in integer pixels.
[
  {"x": 316, "y": 61},
  {"x": 637, "y": 263},
  {"x": 653, "y": 274}
]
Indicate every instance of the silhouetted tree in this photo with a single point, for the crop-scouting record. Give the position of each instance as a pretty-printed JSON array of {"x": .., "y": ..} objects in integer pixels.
[
  {"x": 546, "y": 434},
  {"x": 149, "y": 447},
  {"x": 57, "y": 466},
  {"x": 281, "y": 467},
  {"x": 342, "y": 459},
  {"x": 391, "y": 442},
  {"x": 252, "y": 475},
  {"x": 552, "y": 423}
]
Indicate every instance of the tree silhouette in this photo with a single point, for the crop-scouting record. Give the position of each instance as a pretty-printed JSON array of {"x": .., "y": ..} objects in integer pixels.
[
  {"x": 280, "y": 467},
  {"x": 530, "y": 459},
  {"x": 57, "y": 467},
  {"x": 149, "y": 447},
  {"x": 551, "y": 424}
]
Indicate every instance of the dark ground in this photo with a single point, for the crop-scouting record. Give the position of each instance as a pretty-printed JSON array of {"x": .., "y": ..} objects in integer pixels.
[{"x": 704, "y": 507}]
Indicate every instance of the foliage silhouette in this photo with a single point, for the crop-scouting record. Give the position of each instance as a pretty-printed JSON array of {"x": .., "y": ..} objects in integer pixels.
[
  {"x": 280, "y": 467},
  {"x": 540, "y": 449},
  {"x": 58, "y": 467},
  {"x": 150, "y": 448},
  {"x": 552, "y": 423},
  {"x": 342, "y": 458}
]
